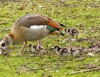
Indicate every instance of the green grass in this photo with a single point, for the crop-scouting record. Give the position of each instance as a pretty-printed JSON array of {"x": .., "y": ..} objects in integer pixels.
[{"x": 72, "y": 13}]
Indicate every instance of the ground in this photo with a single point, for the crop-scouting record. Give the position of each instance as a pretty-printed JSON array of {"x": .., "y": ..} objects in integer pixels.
[{"x": 81, "y": 14}]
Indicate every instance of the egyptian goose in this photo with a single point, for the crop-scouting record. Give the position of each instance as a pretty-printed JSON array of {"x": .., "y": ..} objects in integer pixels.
[
  {"x": 73, "y": 51},
  {"x": 39, "y": 48},
  {"x": 61, "y": 51},
  {"x": 30, "y": 28},
  {"x": 32, "y": 48},
  {"x": 73, "y": 32}
]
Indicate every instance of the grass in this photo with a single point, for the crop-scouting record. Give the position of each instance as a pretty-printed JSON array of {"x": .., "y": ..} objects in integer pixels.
[{"x": 72, "y": 13}]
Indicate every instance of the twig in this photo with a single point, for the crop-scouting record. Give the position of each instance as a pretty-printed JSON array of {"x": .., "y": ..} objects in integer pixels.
[
  {"x": 83, "y": 71},
  {"x": 76, "y": 60}
]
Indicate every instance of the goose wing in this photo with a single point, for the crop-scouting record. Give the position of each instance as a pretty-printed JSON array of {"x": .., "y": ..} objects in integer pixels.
[{"x": 36, "y": 20}]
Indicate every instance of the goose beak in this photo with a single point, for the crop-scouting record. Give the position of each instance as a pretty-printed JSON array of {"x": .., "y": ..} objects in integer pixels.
[{"x": 1, "y": 50}]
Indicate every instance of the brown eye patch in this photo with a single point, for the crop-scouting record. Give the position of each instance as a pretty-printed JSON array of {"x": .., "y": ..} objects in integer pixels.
[{"x": 3, "y": 44}]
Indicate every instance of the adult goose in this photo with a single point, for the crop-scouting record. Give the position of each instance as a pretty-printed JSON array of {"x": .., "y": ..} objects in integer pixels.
[{"x": 30, "y": 27}]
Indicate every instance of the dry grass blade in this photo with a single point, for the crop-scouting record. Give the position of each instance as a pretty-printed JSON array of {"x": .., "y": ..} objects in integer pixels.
[{"x": 4, "y": 29}]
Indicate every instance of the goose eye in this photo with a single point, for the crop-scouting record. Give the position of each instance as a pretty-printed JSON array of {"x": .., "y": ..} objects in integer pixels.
[
  {"x": 30, "y": 45},
  {"x": 3, "y": 44}
]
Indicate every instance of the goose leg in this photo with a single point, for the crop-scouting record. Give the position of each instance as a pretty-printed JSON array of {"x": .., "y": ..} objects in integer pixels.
[
  {"x": 21, "y": 50},
  {"x": 40, "y": 42}
]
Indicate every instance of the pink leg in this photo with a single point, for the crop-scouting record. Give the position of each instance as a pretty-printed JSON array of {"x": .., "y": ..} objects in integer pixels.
[{"x": 21, "y": 50}]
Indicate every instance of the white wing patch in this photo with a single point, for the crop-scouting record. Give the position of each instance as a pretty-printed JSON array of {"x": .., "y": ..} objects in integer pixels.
[{"x": 38, "y": 27}]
